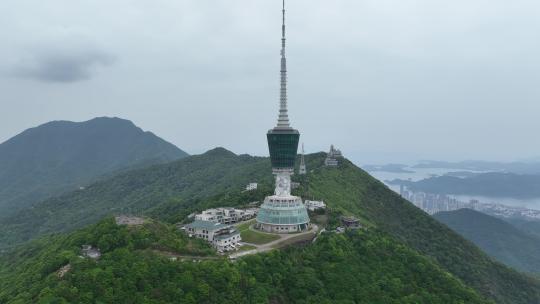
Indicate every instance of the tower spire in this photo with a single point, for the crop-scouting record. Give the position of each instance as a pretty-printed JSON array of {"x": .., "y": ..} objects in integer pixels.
[
  {"x": 302, "y": 170},
  {"x": 283, "y": 118}
]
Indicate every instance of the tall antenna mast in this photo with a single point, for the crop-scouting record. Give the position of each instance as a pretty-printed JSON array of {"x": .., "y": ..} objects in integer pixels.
[
  {"x": 283, "y": 119},
  {"x": 302, "y": 169}
]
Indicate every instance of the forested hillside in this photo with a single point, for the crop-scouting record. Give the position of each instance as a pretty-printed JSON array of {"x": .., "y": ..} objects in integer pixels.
[
  {"x": 169, "y": 192},
  {"x": 62, "y": 156},
  {"x": 359, "y": 267},
  {"x": 496, "y": 237},
  {"x": 529, "y": 227},
  {"x": 354, "y": 191}
]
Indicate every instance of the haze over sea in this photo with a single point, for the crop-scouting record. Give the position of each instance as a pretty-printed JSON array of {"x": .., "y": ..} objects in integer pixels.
[{"x": 417, "y": 174}]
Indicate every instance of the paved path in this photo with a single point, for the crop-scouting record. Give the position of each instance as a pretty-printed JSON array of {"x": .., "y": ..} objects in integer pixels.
[
  {"x": 283, "y": 240},
  {"x": 182, "y": 257}
]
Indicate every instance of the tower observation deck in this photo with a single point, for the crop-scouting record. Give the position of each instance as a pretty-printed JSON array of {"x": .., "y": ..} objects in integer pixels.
[
  {"x": 282, "y": 212},
  {"x": 283, "y": 139}
]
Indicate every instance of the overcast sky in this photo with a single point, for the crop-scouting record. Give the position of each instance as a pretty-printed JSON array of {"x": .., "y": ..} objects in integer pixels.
[{"x": 385, "y": 81}]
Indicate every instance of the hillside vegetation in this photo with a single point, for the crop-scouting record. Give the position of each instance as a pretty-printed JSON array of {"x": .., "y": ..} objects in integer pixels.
[
  {"x": 62, "y": 156},
  {"x": 529, "y": 227},
  {"x": 359, "y": 267},
  {"x": 166, "y": 191},
  {"x": 353, "y": 191},
  {"x": 496, "y": 237},
  {"x": 169, "y": 192}
]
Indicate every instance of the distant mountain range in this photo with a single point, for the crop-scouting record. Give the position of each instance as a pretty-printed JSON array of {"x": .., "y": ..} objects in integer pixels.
[
  {"x": 493, "y": 184},
  {"x": 62, "y": 156},
  {"x": 393, "y": 168},
  {"x": 498, "y": 238},
  {"x": 528, "y": 167},
  {"x": 531, "y": 166}
]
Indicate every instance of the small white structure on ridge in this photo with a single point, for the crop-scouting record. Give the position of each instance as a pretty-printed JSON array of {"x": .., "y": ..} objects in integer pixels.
[
  {"x": 302, "y": 170},
  {"x": 331, "y": 158},
  {"x": 314, "y": 205}
]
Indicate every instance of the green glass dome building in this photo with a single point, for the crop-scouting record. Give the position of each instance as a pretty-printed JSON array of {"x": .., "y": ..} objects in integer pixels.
[
  {"x": 283, "y": 215},
  {"x": 282, "y": 212}
]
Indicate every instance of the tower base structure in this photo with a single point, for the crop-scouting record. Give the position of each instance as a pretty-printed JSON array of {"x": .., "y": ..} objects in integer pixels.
[{"x": 282, "y": 212}]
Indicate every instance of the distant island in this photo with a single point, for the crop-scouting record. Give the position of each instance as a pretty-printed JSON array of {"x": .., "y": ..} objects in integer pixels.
[
  {"x": 484, "y": 166},
  {"x": 461, "y": 174},
  {"x": 392, "y": 168}
]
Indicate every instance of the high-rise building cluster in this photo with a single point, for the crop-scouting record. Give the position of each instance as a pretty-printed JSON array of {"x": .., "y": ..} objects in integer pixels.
[{"x": 433, "y": 203}]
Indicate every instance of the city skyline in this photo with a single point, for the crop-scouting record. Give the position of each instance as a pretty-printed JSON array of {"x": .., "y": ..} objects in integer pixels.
[{"x": 384, "y": 81}]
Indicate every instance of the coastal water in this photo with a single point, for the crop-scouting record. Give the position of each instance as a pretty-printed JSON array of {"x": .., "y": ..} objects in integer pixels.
[{"x": 417, "y": 174}]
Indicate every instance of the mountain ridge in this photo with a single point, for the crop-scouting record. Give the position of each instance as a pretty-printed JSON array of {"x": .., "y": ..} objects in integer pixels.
[
  {"x": 491, "y": 184},
  {"x": 500, "y": 239},
  {"x": 60, "y": 156}
]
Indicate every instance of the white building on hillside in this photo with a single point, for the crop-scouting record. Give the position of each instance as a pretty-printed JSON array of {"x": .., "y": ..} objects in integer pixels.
[
  {"x": 222, "y": 237},
  {"x": 332, "y": 157},
  {"x": 250, "y": 213},
  {"x": 226, "y": 215},
  {"x": 252, "y": 186},
  {"x": 314, "y": 205}
]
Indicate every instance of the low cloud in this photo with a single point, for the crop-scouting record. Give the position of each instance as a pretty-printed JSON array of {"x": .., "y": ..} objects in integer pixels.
[{"x": 62, "y": 65}]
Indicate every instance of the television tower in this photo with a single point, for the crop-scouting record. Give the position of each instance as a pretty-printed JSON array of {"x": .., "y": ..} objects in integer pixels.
[{"x": 283, "y": 212}]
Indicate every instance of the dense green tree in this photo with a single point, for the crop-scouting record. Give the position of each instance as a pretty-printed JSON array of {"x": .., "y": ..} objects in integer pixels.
[{"x": 357, "y": 267}]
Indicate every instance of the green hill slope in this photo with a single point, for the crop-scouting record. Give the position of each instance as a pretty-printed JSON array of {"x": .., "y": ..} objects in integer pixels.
[
  {"x": 169, "y": 192},
  {"x": 354, "y": 191},
  {"x": 496, "y": 237},
  {"x": 358, "y": 267},
  {"x": 61, "y": 156},
  {"x": 162, "y": 190},
  {"x": 529, "y": 227}
]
